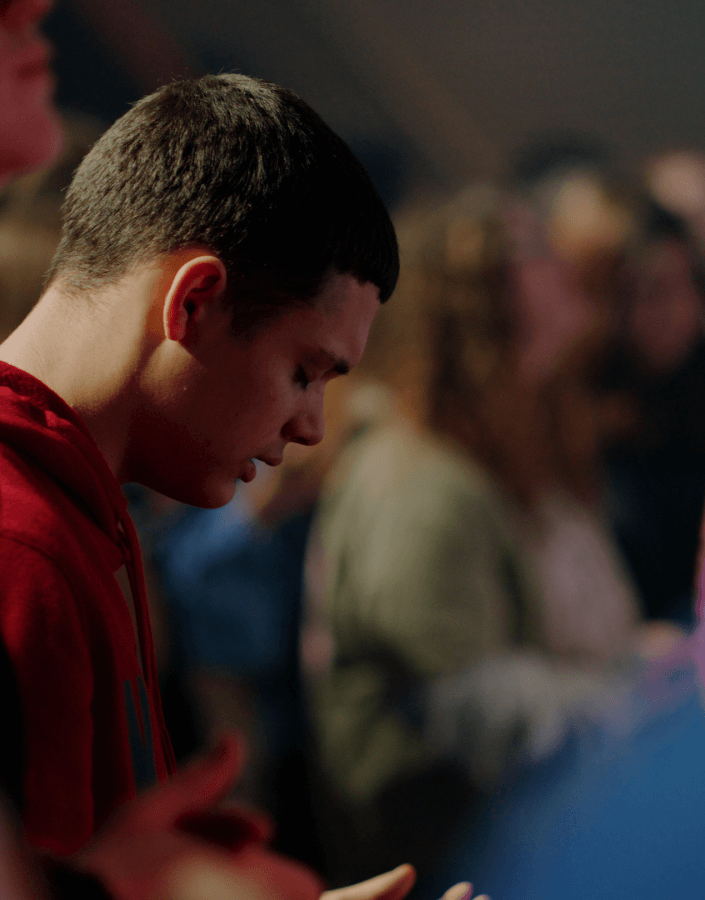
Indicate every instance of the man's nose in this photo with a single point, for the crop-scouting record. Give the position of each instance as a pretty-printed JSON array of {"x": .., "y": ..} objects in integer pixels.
[{"x": 308, "y": 426}]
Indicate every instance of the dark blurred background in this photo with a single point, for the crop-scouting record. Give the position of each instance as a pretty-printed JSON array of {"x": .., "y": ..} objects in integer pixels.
[
  {"x": 567, "y": 106},
  {"x": 426, "y": 93}
]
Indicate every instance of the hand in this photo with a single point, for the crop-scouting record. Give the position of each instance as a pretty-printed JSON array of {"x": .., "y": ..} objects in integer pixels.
[
  {"x": 658, "y": 638},
  {"x": 462, "y": 891},
  {"x": 176, "y": 828},
  {"x": 394, "y": 885}
]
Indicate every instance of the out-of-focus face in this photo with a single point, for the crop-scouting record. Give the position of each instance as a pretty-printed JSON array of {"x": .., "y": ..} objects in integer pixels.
[
  {"x": 554, "y": 314},
  {"x": 666, "y": 317},
  {"x": 30, "y": 130}
]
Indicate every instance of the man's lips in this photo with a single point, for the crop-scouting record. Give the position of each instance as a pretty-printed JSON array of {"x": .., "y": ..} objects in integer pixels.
[
  {"x": 271, "y": 460},
  {"x": 249, "y": 471}
]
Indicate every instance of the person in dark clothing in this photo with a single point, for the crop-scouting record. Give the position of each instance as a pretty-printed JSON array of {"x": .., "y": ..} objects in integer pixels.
[{"x": 657, "y": 467}]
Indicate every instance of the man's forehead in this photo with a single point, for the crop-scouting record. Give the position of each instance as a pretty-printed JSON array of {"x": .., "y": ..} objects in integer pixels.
[
  {"x": 343, "y": 320},
  {"x": 338, "y": 286}
]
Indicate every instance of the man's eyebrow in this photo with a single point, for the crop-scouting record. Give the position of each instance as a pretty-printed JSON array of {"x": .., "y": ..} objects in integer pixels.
[{"x": 341, "y": 366}]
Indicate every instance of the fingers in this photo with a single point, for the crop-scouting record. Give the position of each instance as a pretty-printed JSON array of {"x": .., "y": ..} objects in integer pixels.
[
  {"x": 458, "y": 891},
  {"x": 199, "y": 786},
  {"x": 393, "y": 885},
  {"x": 462, "y": 891}
]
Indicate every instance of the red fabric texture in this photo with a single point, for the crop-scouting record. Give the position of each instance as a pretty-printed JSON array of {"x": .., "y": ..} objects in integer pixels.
[{"x": 64, "y": 532}]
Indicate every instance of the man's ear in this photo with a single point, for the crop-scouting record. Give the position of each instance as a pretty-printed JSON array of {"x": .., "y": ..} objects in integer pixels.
[{"x": 197, "y": 284}]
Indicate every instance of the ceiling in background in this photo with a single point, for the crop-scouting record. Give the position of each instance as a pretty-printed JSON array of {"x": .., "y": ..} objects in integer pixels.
[{"x": 438, "y": 90}]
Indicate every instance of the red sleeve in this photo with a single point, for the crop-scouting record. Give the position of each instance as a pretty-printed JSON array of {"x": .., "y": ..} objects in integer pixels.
[{"x": 45, "y": 639}]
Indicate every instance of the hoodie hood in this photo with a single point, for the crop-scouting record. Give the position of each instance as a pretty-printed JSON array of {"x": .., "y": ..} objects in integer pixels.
[{"x": 37, "y": 423}]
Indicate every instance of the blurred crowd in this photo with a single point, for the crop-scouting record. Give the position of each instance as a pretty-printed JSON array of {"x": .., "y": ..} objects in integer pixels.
[{"x": 440, "y": 628}]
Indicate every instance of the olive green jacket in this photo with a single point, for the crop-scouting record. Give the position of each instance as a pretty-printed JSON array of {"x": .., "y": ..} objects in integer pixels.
[{"x": 415, "y": 571}]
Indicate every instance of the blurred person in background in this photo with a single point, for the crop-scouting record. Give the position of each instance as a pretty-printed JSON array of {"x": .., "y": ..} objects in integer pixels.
[
  {"x": 30, "y": 222},
  {"x": 676, "y": 181},
  {"x": 656, "y": 465},
  {"x": 30, "y": 126},
  {"x": 637, "y": 249},
  {"x": 230, "y": 583},
  {"x": 617, "y": 812},
  {"x": 465, "y": 595},
  {"x": 627, "y": 789}
]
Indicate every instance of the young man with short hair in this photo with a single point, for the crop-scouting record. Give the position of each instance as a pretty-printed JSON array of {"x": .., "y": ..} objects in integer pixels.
[
  {"x": 223, "y": 258},
  {"x": 298, "y": 284}
]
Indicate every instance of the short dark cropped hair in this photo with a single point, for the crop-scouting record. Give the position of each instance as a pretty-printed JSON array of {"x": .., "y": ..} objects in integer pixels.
[{"x": 239, "y": 165}]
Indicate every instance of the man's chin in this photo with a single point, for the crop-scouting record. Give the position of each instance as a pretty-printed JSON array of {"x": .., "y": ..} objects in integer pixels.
[
  {"x": 208, "y": 496},
  {"x": 220, "y": 496}
]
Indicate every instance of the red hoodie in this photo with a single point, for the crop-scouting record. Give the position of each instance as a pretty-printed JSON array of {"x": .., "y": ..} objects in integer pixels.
[{"x": 94, "y": 732}]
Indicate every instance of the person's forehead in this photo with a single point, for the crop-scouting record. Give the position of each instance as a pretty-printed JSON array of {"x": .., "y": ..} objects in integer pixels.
[
  {"x": 19, "y": 13},
  {"x": 13, "y": 14},
  {"x": 334, "y": 327},
  {"x": 350, "y": 317},
  {"x": 342, "y": 288}
]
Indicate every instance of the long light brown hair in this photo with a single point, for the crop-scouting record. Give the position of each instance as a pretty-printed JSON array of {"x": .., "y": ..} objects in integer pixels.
[{"x": 449, "y": 342}]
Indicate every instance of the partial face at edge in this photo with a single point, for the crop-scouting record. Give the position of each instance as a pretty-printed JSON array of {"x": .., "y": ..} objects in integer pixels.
[
  {"x": 30, "y": 129},
  {"x": 249, "y": 397}
]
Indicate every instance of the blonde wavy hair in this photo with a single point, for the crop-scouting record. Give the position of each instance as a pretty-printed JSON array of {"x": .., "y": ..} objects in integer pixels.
[{"x": 447, "y": 331}]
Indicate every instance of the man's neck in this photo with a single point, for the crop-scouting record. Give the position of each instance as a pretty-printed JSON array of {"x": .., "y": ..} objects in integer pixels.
[{"x": 88, "y": 351}]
